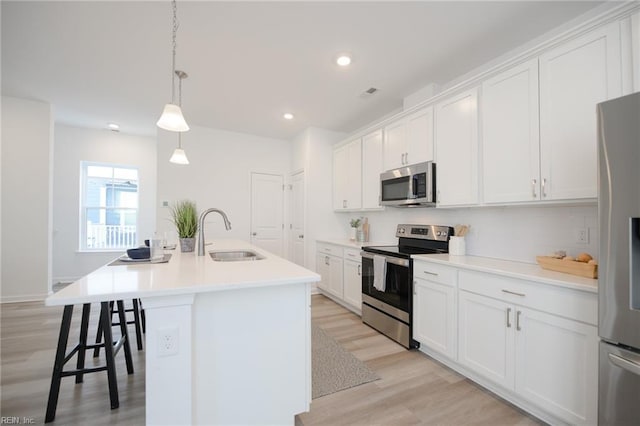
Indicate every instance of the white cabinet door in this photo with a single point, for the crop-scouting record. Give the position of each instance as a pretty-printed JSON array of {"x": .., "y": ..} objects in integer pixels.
[
  {"x": 557, "y": 365},
  {"x": 420, "y": 136},
  {"x": 511, "y": 141},
  {"x": 395, "y": 145},
  {"x": 574, "y": 77},
  {"x": 347, "y": 176},
  {"x": 485, "y": 339},
  {"x": 457, "y": 149},
  {"x": 335, "y": 274},
  {"x": 340, "y": 177},
  {"x": 434, "y": 317},
  {"x": 371, "y": 169},
  {"x": 323, "y": 267},
  {"x": 353, "y": 283}
]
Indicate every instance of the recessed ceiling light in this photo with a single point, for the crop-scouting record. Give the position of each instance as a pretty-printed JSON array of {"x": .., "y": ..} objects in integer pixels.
[
  {"x": 343, "y": 60},
  {"x": 113, "y": 126},
  {"x": 287, "y": 116}
]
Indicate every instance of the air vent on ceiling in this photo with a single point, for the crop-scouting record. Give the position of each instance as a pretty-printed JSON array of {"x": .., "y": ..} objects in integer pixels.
[{"x": 369, "y": 92}]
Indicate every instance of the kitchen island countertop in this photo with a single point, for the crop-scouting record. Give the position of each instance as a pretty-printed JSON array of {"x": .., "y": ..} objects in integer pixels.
[{"x": 185, "y": 273}]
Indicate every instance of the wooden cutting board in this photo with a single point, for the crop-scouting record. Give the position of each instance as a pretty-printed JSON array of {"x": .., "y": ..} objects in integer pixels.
[{"x": 568, "y": 266}]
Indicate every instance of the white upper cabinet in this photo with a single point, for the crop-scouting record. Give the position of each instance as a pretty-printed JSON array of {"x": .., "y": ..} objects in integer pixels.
[
  {"x": 574, "y": 77},
  {"x": 347, "y": 176},
  {"x": 371, "y": 169},
  {"x": 510, "y": 135},
  {"x": 409, "y": 140},
  {"x": 420, "y": 136},
  {"x": 456, "y": 150}
]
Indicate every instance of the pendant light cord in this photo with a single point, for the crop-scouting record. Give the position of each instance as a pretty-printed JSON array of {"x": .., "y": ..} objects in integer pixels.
[{"x": 173, "y": 59}]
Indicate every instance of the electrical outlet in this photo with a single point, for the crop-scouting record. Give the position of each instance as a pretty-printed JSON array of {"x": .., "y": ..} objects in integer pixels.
[
  {"x": 582, "y": 235},
  {"x": 165, "y": 204},
  {"x": 168, "y": 341}
]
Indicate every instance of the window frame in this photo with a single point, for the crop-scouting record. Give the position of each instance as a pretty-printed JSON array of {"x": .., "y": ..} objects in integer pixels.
[{"x": 84, "y": 207}]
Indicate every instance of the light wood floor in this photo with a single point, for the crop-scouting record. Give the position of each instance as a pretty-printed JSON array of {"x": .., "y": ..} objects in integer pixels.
[{"x": 413, "y": 388}]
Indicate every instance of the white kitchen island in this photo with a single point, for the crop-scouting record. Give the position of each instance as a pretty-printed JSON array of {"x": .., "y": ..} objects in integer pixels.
[{"x": 226, "y": 342}]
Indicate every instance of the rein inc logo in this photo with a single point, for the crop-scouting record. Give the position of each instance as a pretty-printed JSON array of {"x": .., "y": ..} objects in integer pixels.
[{"x": 16, "y": 420}]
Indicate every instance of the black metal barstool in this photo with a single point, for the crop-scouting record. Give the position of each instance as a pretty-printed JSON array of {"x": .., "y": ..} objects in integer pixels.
[
  {"x": 110, "y": 349},
  {"x": 138, "y": 321}
]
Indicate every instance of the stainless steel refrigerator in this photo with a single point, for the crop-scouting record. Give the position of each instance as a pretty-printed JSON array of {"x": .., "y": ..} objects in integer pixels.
[{"x": 619, "y": 266}]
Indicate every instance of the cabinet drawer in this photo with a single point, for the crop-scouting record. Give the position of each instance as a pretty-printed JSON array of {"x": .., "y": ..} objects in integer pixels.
[
  {"x": 352, "y": 254},
  {"x": 435, "y": 272},
  {"x": 329, "y": 249},
  {"x": 572, "y": 304}
]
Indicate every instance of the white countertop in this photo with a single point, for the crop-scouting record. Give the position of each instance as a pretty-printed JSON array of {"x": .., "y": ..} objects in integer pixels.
[
  {"x": 185, "y": 273},
  {"x": 521, "y": 270}
]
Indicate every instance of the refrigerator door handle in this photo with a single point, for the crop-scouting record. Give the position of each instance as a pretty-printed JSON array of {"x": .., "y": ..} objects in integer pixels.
[{"x": 626, "y": 364}]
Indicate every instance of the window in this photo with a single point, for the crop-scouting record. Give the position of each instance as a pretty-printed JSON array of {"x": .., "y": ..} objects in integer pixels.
[{"x": 109, "y": 206}]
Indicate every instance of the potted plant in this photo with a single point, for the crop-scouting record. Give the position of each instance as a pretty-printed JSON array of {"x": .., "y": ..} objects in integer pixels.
[
  {"x": 354, "y": 223},
  {"x": 185, "y": 217}
]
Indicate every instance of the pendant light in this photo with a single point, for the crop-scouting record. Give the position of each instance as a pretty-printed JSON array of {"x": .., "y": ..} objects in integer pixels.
[
  {"x": 172, "y": 118},
  {"x": 179, "y": 156}
]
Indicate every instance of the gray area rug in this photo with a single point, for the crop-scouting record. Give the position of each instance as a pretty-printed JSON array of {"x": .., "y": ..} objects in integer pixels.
[{"x": 333, "y": 367}]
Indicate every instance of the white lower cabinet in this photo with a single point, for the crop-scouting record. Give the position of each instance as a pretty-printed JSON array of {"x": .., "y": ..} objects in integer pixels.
[
  {"x": 340, "y": 270},
  {"x": 533, "y": 343},
  {"x": 547, "y": 359},
  {"x": 353, "y": 283},
  {"x": 434, "y": 308}
]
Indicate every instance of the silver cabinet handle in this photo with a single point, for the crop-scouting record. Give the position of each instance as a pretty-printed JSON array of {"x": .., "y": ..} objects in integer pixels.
[
  {"x": 359, "y": 270},
  {"x": 402, "y": 158},
  {"x": 544, "y": 191},
  {"x": 254, "y": 233},
  {"x": 625, "y": 363},
  {"x": 326, "y": 260},
  {"x": 518, "y": 320},
  {"x": 344, "y": 204},
  {"x": 351, "y": 255},
  {"x": 300, "y": 236},
  {"x": 430, "y": 273},
  {"x": 533, "y": 187},
  {"x": 514, "y": 293},
  {"x": 508, "y": 317}
]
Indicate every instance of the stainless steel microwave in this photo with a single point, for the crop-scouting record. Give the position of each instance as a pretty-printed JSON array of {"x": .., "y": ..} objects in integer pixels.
[{"x": 410, "y": 186}]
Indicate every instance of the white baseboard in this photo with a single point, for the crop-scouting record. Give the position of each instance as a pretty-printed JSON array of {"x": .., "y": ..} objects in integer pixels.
[{"x": 24, "y": 298}]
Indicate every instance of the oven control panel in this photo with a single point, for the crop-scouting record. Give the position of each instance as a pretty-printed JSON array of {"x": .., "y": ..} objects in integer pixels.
[{"x": 425, "y": 232}]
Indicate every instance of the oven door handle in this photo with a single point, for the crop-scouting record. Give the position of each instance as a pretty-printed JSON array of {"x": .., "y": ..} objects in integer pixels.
[{"x": 390, "y": 259}]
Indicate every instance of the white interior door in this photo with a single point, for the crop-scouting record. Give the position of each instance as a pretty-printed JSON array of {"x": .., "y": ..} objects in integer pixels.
[
  {"x": 267, "y": 222},
  {"x": 296, "y": 243}
]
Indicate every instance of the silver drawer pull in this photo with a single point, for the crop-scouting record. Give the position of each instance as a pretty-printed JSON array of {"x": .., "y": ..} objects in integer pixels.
[
  {"x": 518, "y": 320},
  {"x": 508, "y": 317},
  {"x": 514, "y": 293},
  {"x": 351, "y": 255},
  {"x": 430, "y": 273}
]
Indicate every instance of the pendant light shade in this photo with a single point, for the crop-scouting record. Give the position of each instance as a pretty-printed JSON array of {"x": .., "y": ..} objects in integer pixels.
[
  {"x": 172, "y": 119},
  {"x": 179, "y": 157}
]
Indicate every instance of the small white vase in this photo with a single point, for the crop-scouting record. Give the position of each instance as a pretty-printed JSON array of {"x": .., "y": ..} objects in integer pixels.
[{"x": 352, "y": 233}]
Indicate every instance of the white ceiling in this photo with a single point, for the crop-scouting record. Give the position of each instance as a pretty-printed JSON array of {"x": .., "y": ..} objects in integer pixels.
[{"x": 249, "y": 62}]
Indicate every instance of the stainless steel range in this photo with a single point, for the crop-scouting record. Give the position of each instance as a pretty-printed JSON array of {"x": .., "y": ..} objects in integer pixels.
[{"x": 387, "y": 279}]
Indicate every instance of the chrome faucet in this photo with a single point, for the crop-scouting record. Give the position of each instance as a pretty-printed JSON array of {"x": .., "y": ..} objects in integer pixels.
[{"x": 204, "y": 214}]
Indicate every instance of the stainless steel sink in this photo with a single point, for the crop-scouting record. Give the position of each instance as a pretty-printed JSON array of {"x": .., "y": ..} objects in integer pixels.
[{"x": 235, "y": 255}]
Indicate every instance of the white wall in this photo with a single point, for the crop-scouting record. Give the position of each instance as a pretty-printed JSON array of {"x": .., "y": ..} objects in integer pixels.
[
  {"x": 27, "y": 130},
  {"x": 513, "y": 233},
  {"x": 313, "y": 151},
  {"x": 219, "y": 175},
  {"x": 73, "y": 145}
]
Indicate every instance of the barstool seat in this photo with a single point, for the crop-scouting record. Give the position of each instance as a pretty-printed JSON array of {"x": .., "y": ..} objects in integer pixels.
[{"x": 111, "y": 348}]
